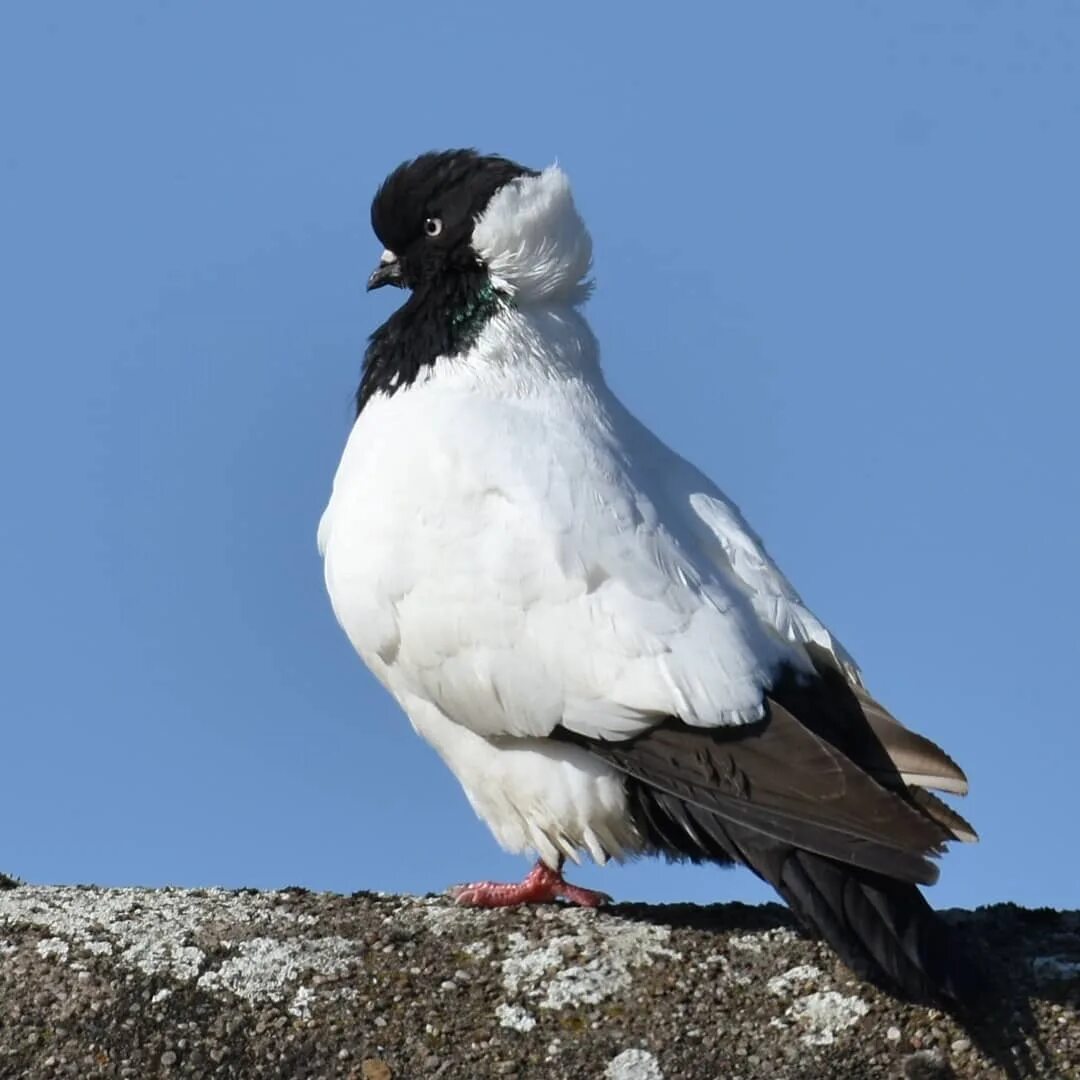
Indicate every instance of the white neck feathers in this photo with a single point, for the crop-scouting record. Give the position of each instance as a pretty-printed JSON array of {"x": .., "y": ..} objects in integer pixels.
[{"x": 533, "y": 241}]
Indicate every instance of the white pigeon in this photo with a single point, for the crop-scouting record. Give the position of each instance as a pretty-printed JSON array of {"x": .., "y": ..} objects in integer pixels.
[{"x": 580, "y": 623}]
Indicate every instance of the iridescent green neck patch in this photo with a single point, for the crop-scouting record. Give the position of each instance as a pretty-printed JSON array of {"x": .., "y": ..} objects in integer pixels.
[{"x": 467, "y": 322}]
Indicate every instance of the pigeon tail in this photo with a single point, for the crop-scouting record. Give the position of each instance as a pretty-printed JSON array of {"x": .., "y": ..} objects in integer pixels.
[
  {"x": 883, "y": 929},
  {"x": 879, "y": 925}
]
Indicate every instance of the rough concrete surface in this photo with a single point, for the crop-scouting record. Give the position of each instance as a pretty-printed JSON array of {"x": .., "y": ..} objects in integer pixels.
[{"x": 147, "y": 983}]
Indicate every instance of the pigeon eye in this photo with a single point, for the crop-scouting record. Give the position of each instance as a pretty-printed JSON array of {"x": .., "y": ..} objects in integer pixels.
[{"x": 433, "y": 226}]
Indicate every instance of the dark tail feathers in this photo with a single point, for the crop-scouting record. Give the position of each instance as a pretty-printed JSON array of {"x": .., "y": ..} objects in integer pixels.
[{"x": 883, "y": 929}]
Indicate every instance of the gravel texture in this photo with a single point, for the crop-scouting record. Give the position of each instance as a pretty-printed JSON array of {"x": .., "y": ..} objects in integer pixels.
[{"x": 141, "y": 983}]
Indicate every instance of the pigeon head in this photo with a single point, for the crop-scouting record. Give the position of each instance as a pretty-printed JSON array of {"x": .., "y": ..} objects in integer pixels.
[
  {"x": 457, "y": 212},
  {"x": 470, "y": 236},
  {"x": 425, "y": 212}
]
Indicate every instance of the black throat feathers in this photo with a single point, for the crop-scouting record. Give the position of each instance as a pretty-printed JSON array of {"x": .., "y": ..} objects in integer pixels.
[{"x": 441, "y": 318}]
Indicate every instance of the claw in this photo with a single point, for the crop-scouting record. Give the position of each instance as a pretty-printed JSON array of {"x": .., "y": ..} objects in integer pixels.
[{"x": 542, "y": 885}]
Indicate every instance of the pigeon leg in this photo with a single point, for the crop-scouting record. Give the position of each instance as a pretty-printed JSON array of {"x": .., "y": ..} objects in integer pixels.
[{"x": 542, "y": 886}]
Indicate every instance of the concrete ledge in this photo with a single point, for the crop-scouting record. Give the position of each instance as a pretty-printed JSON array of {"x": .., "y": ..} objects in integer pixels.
[{"x": 140, "y": 983}]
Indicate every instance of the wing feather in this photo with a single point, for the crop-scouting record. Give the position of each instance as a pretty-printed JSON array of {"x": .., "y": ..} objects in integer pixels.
[{"x": 783, "y": 782}]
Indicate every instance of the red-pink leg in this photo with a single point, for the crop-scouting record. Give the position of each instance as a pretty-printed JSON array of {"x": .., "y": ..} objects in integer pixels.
[{"x": 542, "y": 886}]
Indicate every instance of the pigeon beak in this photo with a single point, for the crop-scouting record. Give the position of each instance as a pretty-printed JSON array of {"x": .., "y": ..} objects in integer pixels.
[{"x": 388, "y": 272}]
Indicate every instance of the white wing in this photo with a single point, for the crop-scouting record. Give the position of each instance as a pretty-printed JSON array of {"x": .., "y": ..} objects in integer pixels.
[
  {"x": 735, "y": 547},
  {"x": 773, "y": 597},
  {"x": 697, "y": 508}
]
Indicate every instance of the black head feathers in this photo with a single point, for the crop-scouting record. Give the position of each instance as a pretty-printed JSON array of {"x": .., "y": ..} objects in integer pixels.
[{"x": 425, "y": 210}]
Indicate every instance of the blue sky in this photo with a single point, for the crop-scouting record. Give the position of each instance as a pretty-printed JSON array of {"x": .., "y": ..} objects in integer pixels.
[{"x": 837, "y": 266}]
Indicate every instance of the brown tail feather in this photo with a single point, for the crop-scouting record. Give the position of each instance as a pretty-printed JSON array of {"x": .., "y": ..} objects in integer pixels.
[
  {"x": 916, "y": 759},
  {"x": 944, "y": 815}
]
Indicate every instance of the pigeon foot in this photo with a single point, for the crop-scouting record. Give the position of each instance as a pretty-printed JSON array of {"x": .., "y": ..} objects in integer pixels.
[{"x": 542, "y": 886}]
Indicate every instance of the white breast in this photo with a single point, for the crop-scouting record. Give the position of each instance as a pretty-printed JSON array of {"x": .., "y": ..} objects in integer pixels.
[{"x": 437, "y": 561}]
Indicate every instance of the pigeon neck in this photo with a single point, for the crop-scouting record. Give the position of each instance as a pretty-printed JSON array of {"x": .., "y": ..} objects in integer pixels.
[{"x": 438, "y": 320}]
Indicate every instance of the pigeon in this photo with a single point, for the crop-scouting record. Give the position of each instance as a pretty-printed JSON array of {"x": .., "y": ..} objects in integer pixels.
[{"x": 581, "y": 624}]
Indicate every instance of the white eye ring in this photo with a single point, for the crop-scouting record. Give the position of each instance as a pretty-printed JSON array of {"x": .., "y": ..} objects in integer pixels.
[{"x": 433, "y": 226}]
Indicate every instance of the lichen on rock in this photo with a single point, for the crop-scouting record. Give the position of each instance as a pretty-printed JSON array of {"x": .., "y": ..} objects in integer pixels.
[{"x": 208, "y": 983}]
